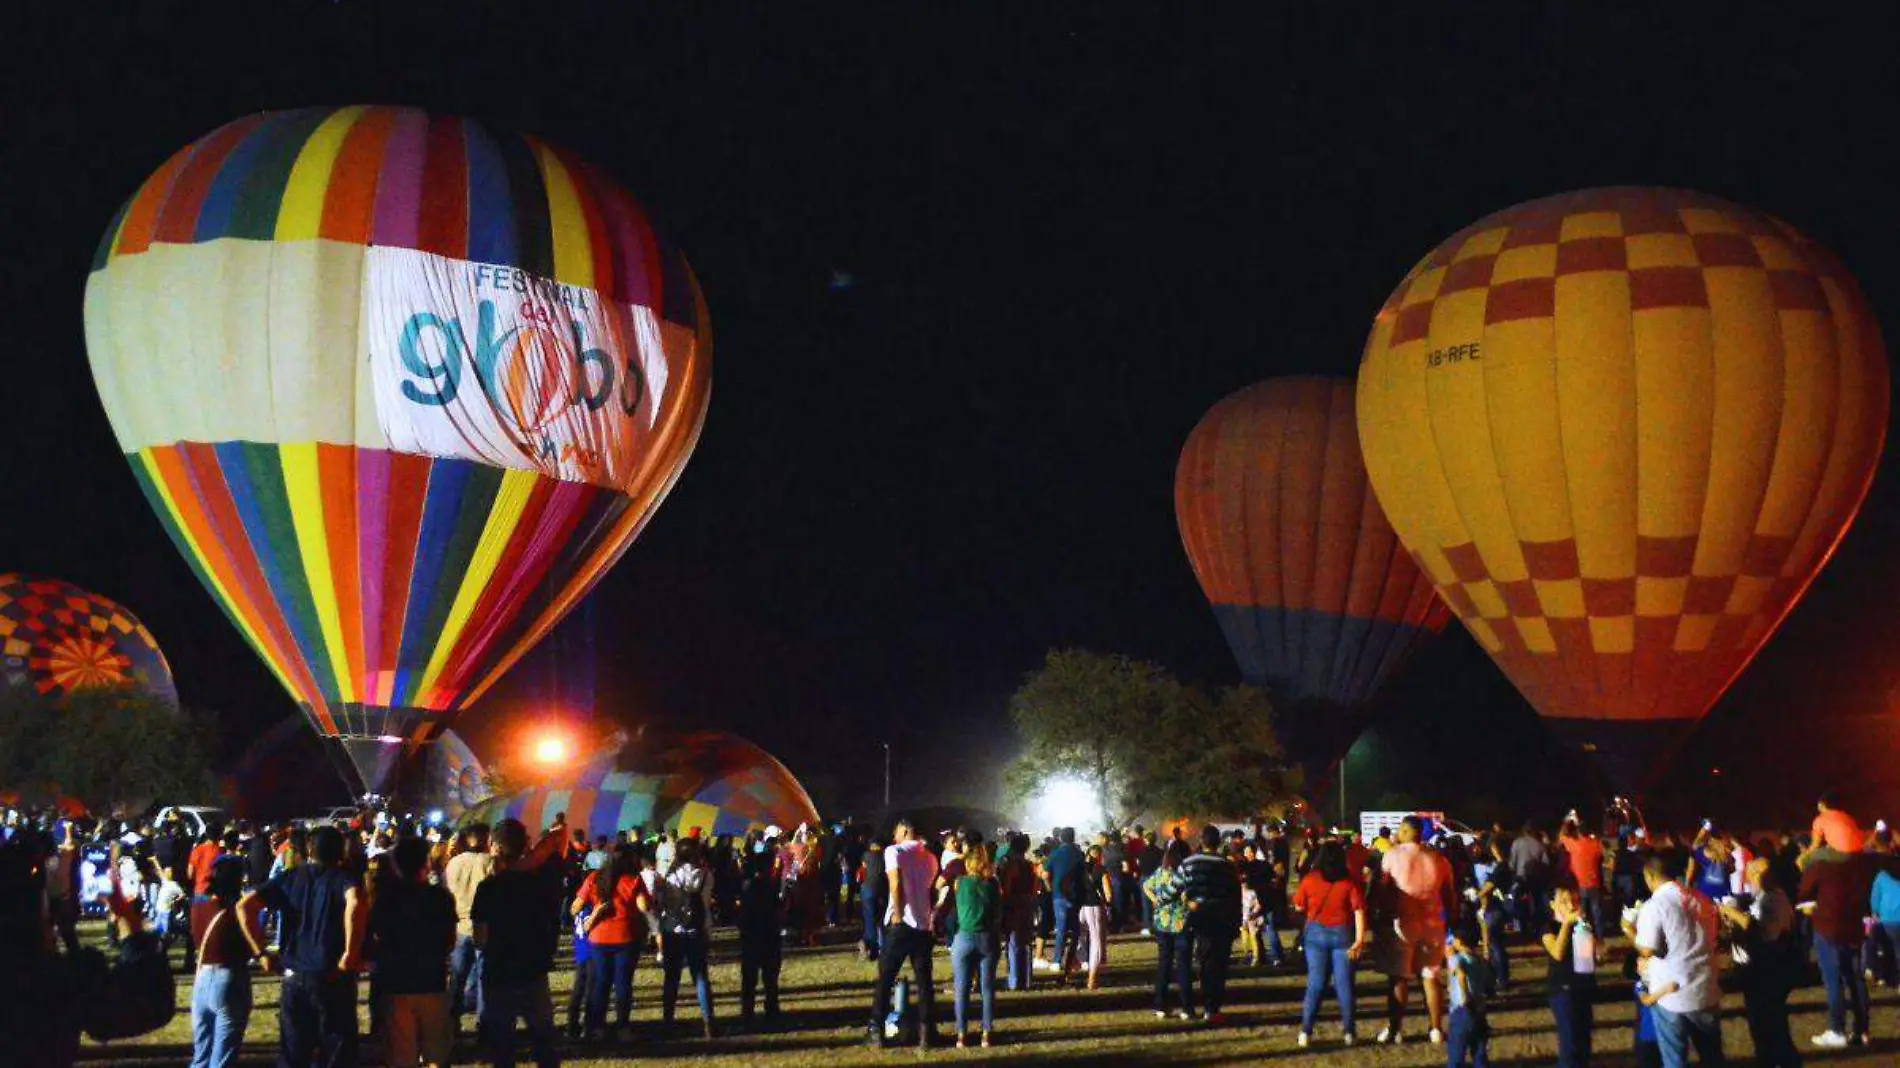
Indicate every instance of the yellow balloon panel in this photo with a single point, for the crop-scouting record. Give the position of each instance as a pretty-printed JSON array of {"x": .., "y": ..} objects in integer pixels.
[{"x": 1621, "y": 430}]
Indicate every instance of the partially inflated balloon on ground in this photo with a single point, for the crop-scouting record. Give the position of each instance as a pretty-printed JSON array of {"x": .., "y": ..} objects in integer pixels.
[
  {"x": 1318, "y": 600},
  {"x": 56, "y": 638},
  {"x": 715, "y": 782},
  {"x": 401, "y": 389},
  {"x": 1621, "y": 430}
]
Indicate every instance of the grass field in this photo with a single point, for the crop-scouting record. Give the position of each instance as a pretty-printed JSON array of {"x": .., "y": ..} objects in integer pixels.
[{"x": 827, "y": 994}]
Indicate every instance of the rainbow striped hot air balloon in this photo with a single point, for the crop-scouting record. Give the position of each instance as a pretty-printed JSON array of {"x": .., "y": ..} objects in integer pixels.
[{"x": 401, "y": 389}]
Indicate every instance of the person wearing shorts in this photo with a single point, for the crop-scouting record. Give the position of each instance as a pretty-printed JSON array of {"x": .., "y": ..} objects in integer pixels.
[{"x": 1419, "y": 884}]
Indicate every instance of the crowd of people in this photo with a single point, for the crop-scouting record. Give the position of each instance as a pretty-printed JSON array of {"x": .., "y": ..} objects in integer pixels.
[{"x": 444, "y": 925}]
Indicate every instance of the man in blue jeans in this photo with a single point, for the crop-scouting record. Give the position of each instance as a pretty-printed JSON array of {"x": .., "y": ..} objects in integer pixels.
[
  {"x": 514, "y": 916},
  {"x": 1840, "y": 892},
  {"x": 1062, "y": 873},
  {"x": 1676, "y": 934},
  {"x": 325, "y": 918}
]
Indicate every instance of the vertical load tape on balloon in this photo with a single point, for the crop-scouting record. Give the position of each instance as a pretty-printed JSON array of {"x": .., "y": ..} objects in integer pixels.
[
  {"x": 401, "y": 389},
  {"x": 1621, "y": 430}
]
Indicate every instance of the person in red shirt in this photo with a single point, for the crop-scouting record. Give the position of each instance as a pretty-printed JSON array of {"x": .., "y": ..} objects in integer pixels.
[
  {"x": 203, "y": 856},
  {"x": 615, "y": 902},
  {"x": 1334, "y": 904},
  {"x": 1358, "y": 858},
  {"x": 1834, "y": 829},
  {"x": 1584, "y": 854}
]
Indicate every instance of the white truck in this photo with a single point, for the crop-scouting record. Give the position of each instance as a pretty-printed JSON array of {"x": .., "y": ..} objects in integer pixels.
[{"x": 1371, "y": 823}]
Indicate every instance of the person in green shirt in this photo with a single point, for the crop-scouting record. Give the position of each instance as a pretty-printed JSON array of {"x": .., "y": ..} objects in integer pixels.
[
  {"x": 1173, "y": 944},
  {"x": 973, "y": 952}
]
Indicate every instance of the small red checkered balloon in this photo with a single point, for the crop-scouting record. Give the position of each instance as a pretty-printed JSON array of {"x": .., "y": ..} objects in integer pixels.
[
  {"x": 56, "y": 638},
  {"x": 1621, "y": 430}
]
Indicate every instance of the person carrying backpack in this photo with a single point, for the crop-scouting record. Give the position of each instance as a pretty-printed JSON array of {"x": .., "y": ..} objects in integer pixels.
[
  {"x": 1211, "y": 889},
  {"x": 685, "y": 902}
]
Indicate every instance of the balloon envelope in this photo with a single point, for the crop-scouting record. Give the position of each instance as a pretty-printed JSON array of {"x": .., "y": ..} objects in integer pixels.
[
  {"x": 716, "y": 782},
  {"x": 57, "y": 638},
  {"x": 1318, "y": 600},
  {"x": 1621, "y": 430},
  {"x": 400, "y": 389}
]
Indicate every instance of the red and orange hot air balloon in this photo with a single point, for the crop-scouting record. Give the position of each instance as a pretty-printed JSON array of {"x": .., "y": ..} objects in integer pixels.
[
  {"x": 1317, "y": 598},
  {"x": 401, "y": 389},
  {"x": 1622, "y": 430}
]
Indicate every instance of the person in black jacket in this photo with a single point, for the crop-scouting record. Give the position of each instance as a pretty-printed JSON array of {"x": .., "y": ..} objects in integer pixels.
[
  {"x": 761, "y": 919},
  {"x": 1211, "y": 888},
  {"x": 258, "y": 856},
  {"x": 412, "y": 929}
]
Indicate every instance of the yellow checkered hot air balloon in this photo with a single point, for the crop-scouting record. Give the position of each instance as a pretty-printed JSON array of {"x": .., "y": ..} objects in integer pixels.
[{"x": 1621, "y": 430}]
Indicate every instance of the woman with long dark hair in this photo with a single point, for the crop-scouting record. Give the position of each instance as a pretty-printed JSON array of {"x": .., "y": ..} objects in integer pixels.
[
  {"x": 1334, "y": 904},
  {"x": 221, "y": 988},
  {"x": 611, "y": 904}
]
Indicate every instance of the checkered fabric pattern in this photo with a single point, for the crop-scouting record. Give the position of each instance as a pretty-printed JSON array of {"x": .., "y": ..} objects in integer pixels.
[
  {"x": 56, "y": 638},
  {"x": 1620, "y": 430},
  {"x": 717, "y": 782}
]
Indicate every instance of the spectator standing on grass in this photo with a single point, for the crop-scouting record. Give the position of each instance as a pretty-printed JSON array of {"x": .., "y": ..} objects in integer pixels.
[
  {"x": 514, "y": 914},
  {"x": 1530, "y": 870},
  {"x": 612, "y": 905},
  {"x": 1492, "y": 874},
  {"x": 324, "y": 917},
  {"x": 1770, "y": 963},
  {"x": 1016, "y": 884},
  {"x": 1839, "y": 894},
  {"x": 1147, "y": 861},
  {"x": 973, "y": 951},
  {"x": 873, "y": 898},
  {"x": 1334, "y": 904},
  {"x": 1468, "y": 986},
  {"x": 1211, "y": 887},
  {"x": 1675, "y": 935},
  {"x": 1092, "y": 914},
  {"x": 1584, "y": 855},
  {"x": 1418, "y": 878},
  {"x": 1063, "y": 874},
  {"x": 1570, "y": 945},
  {"x": 761, "y": 919},
  {"x": 1174, "y": 946},
  {"x": 686, "y": 900},
  {"x": 412, "y": 931},
  {"x": 221, "y": 988},
  {"x": 464, "y": 875},
  {"x": 910, "y": 870}
]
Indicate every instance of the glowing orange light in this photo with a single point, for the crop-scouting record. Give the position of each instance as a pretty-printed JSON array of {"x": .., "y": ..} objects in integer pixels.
[{"x": 550, "y": 749}]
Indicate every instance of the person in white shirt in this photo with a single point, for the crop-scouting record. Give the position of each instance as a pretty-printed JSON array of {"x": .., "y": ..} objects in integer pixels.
[
  {"x": 1675, "y": 934},
  {"x": 911, "y": 871}
]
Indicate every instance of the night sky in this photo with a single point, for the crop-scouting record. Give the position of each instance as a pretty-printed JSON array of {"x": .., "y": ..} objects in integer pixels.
[{"x": 972, "y": 280}]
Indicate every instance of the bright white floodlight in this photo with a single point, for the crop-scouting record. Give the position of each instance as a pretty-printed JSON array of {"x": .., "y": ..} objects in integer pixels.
[{"x": 1065, "y": 801}]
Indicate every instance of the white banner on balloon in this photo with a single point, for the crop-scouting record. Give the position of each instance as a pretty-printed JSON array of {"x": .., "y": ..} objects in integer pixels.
[{"x": 496, "y": 365}]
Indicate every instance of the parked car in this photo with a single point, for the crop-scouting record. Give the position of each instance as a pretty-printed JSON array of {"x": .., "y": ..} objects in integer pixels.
[
  {"x": 196, "y": 818},
  {"x": 332, "y": 816}
]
